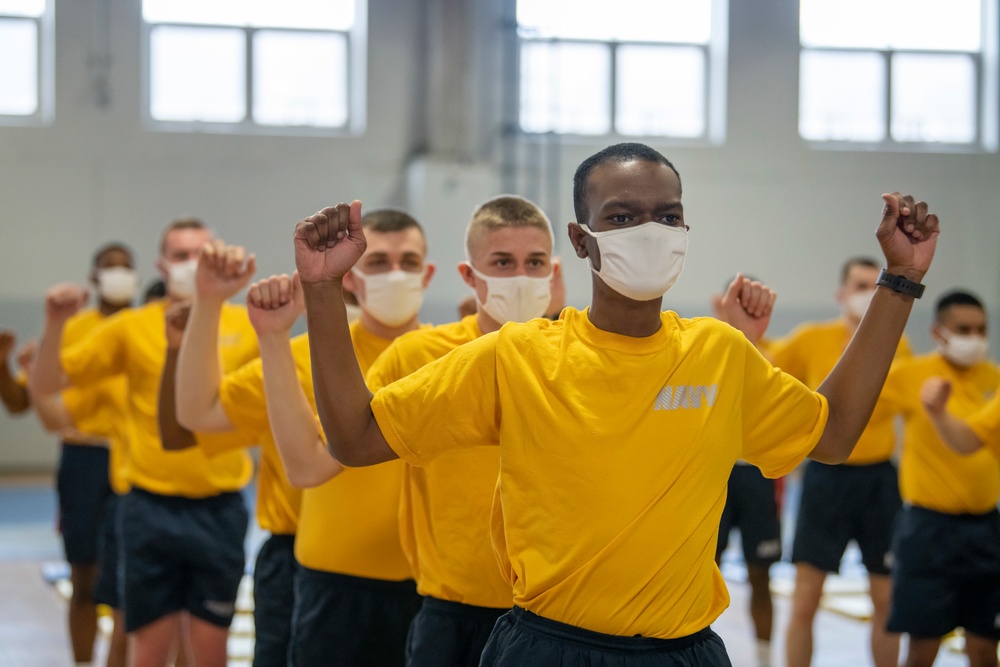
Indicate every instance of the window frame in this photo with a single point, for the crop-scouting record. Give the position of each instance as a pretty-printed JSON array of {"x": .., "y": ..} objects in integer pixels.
[
  {"x": 356, "y": 73},
  {"x": 45, "y": 48}
]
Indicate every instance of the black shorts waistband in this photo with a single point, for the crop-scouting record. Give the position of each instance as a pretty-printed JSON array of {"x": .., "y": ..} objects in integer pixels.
[
  {"x": 359, "y": 583},
  {"x": 990, "y": 515},
  {"x": 602, "y": 641},
  {"x": 282, "y": 539},
  {"x": 848, "y": 468},
  {"x": 451, "y": 608},
  {"x": 223, "y": 498}
]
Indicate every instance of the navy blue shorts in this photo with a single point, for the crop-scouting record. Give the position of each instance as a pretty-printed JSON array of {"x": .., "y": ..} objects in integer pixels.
[
  {"x": 106, "y": 588},
  {"x": 345, "y": 620},
  {"x": 524, "y": 639},
  {"x": 181, "y": 554},
  {"x": 947, "y": 573},
  {"x": 83, "y": 487},
  {"x": 841, "y": 503},
  {"x": 273, "y": 600},
  {"x": 449, "y": 634},
  {"x": 752, "y": 507}
]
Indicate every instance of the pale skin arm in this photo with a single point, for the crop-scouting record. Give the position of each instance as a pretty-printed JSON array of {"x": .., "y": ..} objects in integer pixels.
[
  {"x": 61, "y": 302},
  {"x": 221, "y": 274},
  {"x": 173, "y": 436},
  {"x": 274, "y": 304},
  {"x": 747, "y": 305},
  {"x": 908, "y": 236},
  {"x": 12, "y": 394},
  {"x": 50, "y": 410},
  {"x": 953, "y": 431},
  {"x": 327, "y": 245}
]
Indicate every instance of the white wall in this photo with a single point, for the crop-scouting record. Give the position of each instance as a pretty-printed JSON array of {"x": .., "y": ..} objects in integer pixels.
[{"x": 762, "y": 203}]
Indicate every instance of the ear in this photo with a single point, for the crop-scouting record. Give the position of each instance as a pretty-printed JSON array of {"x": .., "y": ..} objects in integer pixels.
[
  {"x": 161, "y": 268},
  {"x": 93, "y": 277},
  {"x": 578, "y": 238},
  {"x": 351, "y": 282},
  {"x": 430, "y": 268},
  {"x": 936, "y": 334},
  {"x": 465, "y": 270}
]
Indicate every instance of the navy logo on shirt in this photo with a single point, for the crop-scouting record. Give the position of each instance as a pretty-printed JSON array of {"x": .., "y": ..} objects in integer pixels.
[{"x": 677, "y": 396}]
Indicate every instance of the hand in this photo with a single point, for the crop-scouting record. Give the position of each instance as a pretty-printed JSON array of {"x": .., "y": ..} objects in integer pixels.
[
  {"x": 176, "y": 317},
  {"x": 329, "y": 243},
  {"x": 934, "y": 395},
  {"x": 908, "y": 236},
  {"x": 63, "y": 301},
  {"x": 7, "y": 341},
  {"x": 221, "y": 270},
  {"x": 558, "y": 300},
  {"x": 275, "y": 303},
  {"x": 26, "y": 356},
  {"x": 747, "y": 305}
]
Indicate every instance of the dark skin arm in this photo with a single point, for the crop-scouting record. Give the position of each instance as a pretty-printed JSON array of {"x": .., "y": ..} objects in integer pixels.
[
  {"x": 173, "y": 436},
  {"x": 13, "y": 394}
]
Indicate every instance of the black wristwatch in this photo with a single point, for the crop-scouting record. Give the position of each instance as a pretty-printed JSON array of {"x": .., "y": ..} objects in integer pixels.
[{"x": 900, "y": 284}]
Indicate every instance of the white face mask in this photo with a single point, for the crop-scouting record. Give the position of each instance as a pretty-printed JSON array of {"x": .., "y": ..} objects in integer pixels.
[
  {"x": 963, "y": 351},
  {"x": 857, "y": 304},
  {"x": 180, "y": 278},
  {"x": 117, "y": 285},
  {"x": 392, "y": 298},
  {"x": 641, "y": 262},
  {"x": 515, "y": 298}
]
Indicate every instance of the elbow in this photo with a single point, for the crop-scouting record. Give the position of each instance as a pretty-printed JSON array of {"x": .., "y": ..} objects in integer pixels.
[{"x": 308, "y": 479}]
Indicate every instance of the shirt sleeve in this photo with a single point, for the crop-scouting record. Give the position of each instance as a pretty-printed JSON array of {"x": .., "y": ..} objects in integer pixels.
[
  {"x": 98, "y": 356},
  {"x": 449, "y": 402},
  {"x": 385, "y": 370},
  {"x": 782, "y": 418},
  {"x": 986, "y": 424}
]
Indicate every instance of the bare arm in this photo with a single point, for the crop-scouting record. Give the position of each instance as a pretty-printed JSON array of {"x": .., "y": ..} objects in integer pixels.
[
  {"x": 221, "y": 274},
  {"x": 953, "y": 431},
  {"x": 49, "y": 409},
  {"x": 327, "y": 244},
  {"x": 61, "y": 302},
  {"x": 13, "y": 394},
  {"x": 173, "y": 436},
  {"x": 908, "y": 235}
]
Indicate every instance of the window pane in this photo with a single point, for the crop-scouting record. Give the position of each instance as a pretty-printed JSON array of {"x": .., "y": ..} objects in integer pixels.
[
  {"x": 300, "y": 79},
  {"x": 18, "y": 67},
  {"x": 197, "y": 74},
  {"x": 842, "y": 96},
  {"x": 845, "y": 23},
  {"x": 316, "y": 14},
  {"x": 661, "y": 91},
  {"x": 932, "y": 24},
  {"x": 634, "y": 20},
  {"x": 218, "y": 12},
  {"x": 564, "y": 88},
  {"x": 933, "y": 98},
  {"x": 880, "y": 24},
  {"x": 33, "y": 8}
]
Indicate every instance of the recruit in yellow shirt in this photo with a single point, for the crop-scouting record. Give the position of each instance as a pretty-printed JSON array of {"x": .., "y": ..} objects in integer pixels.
[
  {"x": 809, "y": 353},
  {"x": 931, "y": 475},
  {"x": 99, "y": 409},
  {"x": 350, "y": 525},
  {"x": 986, "y": 424},
  {"x": 615, "y": 454},
  {"x": 444, "y": 510},
  {"x": 133, "y": 343}
]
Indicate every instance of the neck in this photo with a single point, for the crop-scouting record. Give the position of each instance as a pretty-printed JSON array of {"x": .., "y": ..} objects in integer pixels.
[
  {"x": 486, "y": 323},
  {"x": 618, "y": 314},
  {"x": 106, "y": 309},
  {"x": 384, "y": 331}
]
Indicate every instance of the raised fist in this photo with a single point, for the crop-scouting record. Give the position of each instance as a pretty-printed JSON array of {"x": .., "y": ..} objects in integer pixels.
[
  {"x": 329, "y": 243},
  {"x": 275, "y": 303},
  {"x": 747, "y": 305},
  {"x": 934, "y": 395},
  {"x": 223, "y": 270},
  {"x": 908, "y": 235},
  {"x": 7, "y": 341},
  {"x": 26, "y": 356},
  {"x": 63, "y": 301}
]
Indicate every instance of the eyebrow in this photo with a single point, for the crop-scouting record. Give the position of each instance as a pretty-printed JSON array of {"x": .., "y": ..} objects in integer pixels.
[
  {"x": 504, "y": 253},
  {"x": 632, "y": 204}
]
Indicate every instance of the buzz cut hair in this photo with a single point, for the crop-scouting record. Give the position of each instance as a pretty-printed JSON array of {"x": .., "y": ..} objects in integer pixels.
[
  {"x": 504, "y": 212},
  {"x": 617, "y": 153},
  {"x": 113, "y": 246},
  {"x": 956, "y": 298},
  {"x": 845, "y": 270},
  {"x": 386, "y": 220},
  {"x": 178, "y": 225}
]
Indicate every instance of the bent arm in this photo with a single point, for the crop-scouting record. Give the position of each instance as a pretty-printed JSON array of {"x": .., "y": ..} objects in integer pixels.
[
  {"x": 173, "y": 435},
  {"x": 13, "y": 394},
  {"x": 199, "y": 373},
  {"x": 293, "y": 423},
  {"x": 955, "y": 433},
  {"x": 47, "y": 374},
  {"x": 342, "y": 398}
]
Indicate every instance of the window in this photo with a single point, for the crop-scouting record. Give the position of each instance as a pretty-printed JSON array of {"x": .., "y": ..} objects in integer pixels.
[
  {"x": 26, "y": 58},
  {"x": 629, "y": 67},
  {"x": 898, "y": 72},
  {"x": 255, "y": 65}
]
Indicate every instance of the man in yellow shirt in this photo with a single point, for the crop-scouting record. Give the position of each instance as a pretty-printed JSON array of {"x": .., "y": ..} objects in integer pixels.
[
  {"x": 856, "y": 501},
  {"x": 352, "y": 599},
  {"x": 618, "y": 426},
  {"x": 947, "y": 539},
  {"x": 183, "y": 521}
]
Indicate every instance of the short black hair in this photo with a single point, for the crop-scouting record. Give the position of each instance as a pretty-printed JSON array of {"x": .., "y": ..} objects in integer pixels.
[
  {"x": 389, "y": 220},
  {"x": 155, "y": 290},
  {"x": 956, "y": 298},
  {"x": 626, "y": 152},
  {"x": 114, "y": 246},
  {"x": 845, "y": 270}
]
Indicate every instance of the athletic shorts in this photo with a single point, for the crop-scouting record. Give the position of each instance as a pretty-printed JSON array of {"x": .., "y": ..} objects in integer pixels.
[
  {"x": 841, "y": 503},
  {"x": 524, "y": 639},
  {"x": 83, "y": 487},
  {"x": 273, "y": 599},
  {"x": 449, "y": 634},
  {"x": 947, "y": 573},
  {"x": 345, "y": 620},
  {"x": 181, "y": 554},
  {"x": 108, "y": 574},
  {"x": 752, "y": 507}
]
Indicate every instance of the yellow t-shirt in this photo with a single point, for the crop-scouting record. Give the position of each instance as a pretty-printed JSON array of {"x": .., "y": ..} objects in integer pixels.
[
  {"x": 809, "y": 353},
  {"x": 931, "y": 475},
  {"x": 350, "y": 525},
  {"x": 445, "y": 506},
  {"x": 242, "y": 397},
  {"x": 615, "y": 454},
  {"x": 133, "y": 343},
  {"x": 99, "y": 409},
  {"x": 986, "y": 424}
]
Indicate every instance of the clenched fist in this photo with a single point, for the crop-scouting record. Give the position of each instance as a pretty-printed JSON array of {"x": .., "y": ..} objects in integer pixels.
[{"x": 329, "y": 243}]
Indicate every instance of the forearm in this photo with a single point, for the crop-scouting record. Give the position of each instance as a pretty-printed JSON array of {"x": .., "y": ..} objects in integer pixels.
[
  {"x": 53, "y": 415},
  {"x": 13, "y": 394},
  {"x": 47, "y": 375},
  {"x": 956, "y": 433},
  {"x": 852, "y": 388},
  {"x": 199, "y": 374},
  {"x": 293, "y": 423},
  {"x": 342, "y": 398},
  {"x": 173, "y": 436}
]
